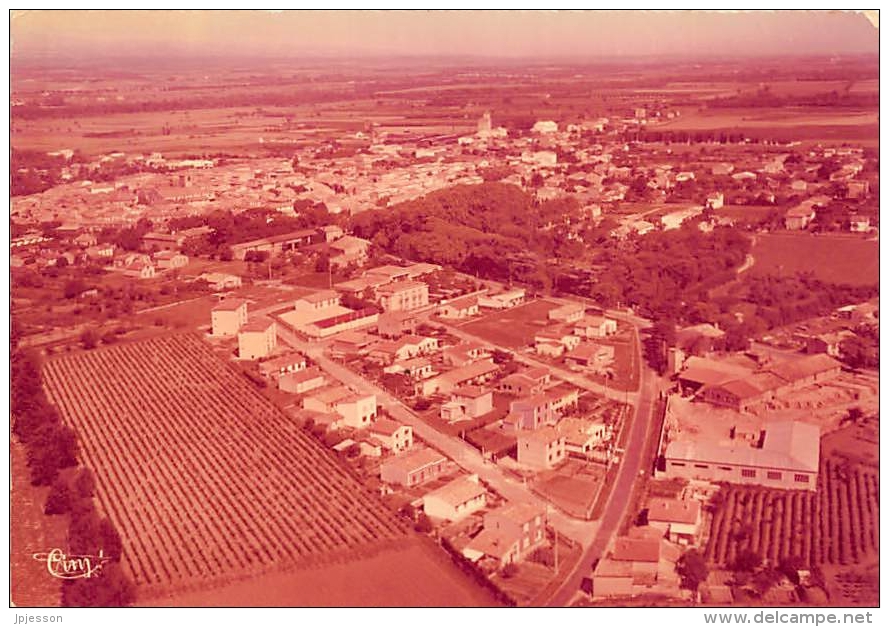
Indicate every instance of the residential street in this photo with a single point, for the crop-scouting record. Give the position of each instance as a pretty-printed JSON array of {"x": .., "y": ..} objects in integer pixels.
[{"x": 593, "y": 536}]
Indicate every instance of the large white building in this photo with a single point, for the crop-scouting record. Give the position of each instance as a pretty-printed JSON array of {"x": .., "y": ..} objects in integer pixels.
[{"x": 788, "y": 458}]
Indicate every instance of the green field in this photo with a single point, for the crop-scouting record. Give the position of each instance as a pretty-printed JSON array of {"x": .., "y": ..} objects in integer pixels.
[
  {"x": 512, "y": 328},
  {"x": 841, "y": 259}
]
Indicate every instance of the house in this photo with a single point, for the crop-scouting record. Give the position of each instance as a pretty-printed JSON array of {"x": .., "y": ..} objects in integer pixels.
[
  {"x": 349, "y": 344},
  {"x": 464, "y": 353},
  {"x": 162, "y": 241},
  {"x": 394, "y": 436},
  {"x": 348, "y": 249},
  {"x": 357, "y": 410},
  {"x": 140, "y": 270},
  {"x": 827, "y": 343},
  {"x": 388, "y": 274},
  {"x": 799, "y": 217},
  {"x": 590, "y": 355},
  {"x": 85, "y": 240},
  {"x": 476, "y": 373},
  {"x": 415, "y": 368},
  {"x": 571, "y": 312},
  {"x": 529, "y": 381},
  {"x": 542, "y": 449},
  {"x": 302, "y": 381},
  {"x": 859, "y": 223},
  {"x": 504, "y": 300},
  {"x": 393, "y": 324},
  {"x": 459, "y": 308},
  {"x": 100, "y": 251},
  {"x": 788, "y": 458},
  {"x": 562, "y": 396},
  {"x": 403, "y": 295},
  {"x": 680, "y": 520},
  {"x": 531, "y": 412},
  {"x": 291, "y": 362},
  {"x": 330, "y": 421},
  {"x": 510, "y": 534},
  {"x": 595, "y": 326},
  {"x": 582, "y": 436},
  {"x": 257, "y": 339},
  {"x": 638, "y": 562},
  {"x": 675, "y": 219},
  {"x": 324, "y": 400},
  {"x": 390, "y": 351},
  {"x": 170, "y": 260},
  {"x": 456, "y": 499},
  {"x": 414, "y": 468},
  {"x": 467, "y": 403},
  {"x": 332, "y": 232},
  {"x": 278, "y": 244},
  {"x": 228, "y": 317},
  {"x": 317, "y": 301},
  {"x": 220, "y": 281},
  {"x": 716, "y": 200},
  {"x": 554, "y": 342}
]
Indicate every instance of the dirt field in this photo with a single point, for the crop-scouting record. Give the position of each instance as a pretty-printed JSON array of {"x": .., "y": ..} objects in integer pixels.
[
  {"x": 834, "y": 259},
  {"x": 31, "y": 531},
  {"x": 205, "y": 479},
  {"x": 512, "y": 328},
  {"x": 573, "y": 487},
  {"x": 419, "y": 574}
]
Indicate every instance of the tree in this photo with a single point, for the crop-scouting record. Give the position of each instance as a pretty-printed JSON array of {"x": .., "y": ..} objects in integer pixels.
[
  {"x": 89, "y": 339},
  {"x": 746, "y": 561},
  {"x": 110, "y": 541},
  {"x": 110, "y": 588},
  {"x": 74, "y": 288},
  {"x": 84, "y": 534},
  {"x": 322, "y": 262},
  {"x": 692, "y": 568},
  {"x": 62, "y": 262},
  {"x": 790, "y": 566},
  {"x": 85, "y": 483},
  {"x": 423, "y": 525},
  {"x": 60, "y": 497}
]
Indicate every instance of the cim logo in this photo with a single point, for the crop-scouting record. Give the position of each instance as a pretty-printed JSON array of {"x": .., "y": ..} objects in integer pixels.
[{"x": 63, "y": 566}]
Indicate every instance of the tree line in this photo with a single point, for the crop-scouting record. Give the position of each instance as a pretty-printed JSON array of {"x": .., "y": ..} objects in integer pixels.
[{"x": 52, "y": 452}]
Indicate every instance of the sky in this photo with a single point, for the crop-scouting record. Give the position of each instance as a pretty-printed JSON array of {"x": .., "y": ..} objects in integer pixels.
[{"x": 505, "y": 34}]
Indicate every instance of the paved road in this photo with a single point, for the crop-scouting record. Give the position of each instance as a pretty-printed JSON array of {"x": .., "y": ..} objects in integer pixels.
[
  {"x": 572, "y": 377},
  {"x": 465, "y": 455},
  {"x": 632, "y": 465},
  {"x": 593, "y": 536}
]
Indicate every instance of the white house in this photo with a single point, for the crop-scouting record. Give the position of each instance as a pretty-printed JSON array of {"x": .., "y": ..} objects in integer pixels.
[{"x": 456, "y": 499}]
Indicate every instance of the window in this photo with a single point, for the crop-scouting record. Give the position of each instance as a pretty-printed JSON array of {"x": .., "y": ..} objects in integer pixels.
[
  {"x": 774, "y": 475},
  {"x": 677, "y": 464},
  {"x": 748, "y": 472},
  {"x": 525, "y": 527},
  {"x": 801, "y": 478},
  {"x": 726, "y": 468},
  {"x": 701, "y": 466}
]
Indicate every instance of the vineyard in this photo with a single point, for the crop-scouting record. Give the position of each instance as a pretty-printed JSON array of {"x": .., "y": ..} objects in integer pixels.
[
  {"x": 838, "y": 524},
  {"x": 206, "y": 481}
]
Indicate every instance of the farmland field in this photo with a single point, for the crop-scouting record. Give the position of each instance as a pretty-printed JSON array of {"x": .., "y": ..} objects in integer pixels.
[
  {"x": 836, "y": 525},
  {"x": 207, "y": 482},
  {"x": 833, "y": 259}
]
